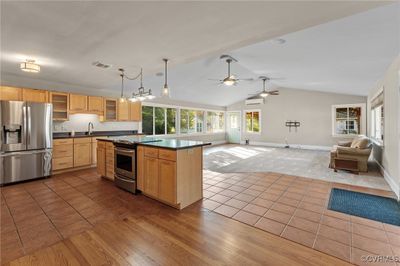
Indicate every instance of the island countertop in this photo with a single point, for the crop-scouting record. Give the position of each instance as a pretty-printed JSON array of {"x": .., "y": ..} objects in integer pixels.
[{"x": 173, "y": 144}]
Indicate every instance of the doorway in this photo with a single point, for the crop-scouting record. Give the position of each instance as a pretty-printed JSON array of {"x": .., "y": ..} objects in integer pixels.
[{"x": 233, "y": 128}]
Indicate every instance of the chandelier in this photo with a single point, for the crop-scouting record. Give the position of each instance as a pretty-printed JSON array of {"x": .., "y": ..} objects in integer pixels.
[{"x": 141, "y": 94}]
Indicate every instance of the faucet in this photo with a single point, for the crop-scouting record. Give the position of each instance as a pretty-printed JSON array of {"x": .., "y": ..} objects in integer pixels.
[{"x": 90, "y": 127}]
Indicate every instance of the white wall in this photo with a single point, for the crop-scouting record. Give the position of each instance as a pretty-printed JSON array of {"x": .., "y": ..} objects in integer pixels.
[
  {"x": 311, "y": 108},
  {"x": 388, "y": 155}
]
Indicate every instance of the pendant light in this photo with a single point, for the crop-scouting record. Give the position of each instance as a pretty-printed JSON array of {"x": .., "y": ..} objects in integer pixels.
[
  {"x": 122, "y": 99},
  {"x": 165, "y": 91}
]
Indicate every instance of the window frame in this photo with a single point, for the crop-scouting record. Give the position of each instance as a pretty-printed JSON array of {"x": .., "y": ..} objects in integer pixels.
[
  {"x": 178, "y": 120},
  {"x": 363, "y": 124},
  {"x": 259, "y": 121},
  {"x": 381, "y": 105}
]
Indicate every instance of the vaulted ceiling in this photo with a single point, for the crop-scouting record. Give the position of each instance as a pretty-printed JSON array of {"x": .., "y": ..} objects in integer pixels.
[{"x": 327, "y": 46}]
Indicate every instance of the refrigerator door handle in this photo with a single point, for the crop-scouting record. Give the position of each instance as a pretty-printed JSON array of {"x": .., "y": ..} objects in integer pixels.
[{"x": 28, "y": 126}]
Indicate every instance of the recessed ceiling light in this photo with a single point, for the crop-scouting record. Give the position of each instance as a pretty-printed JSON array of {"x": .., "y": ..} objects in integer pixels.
[
  {"x": 101, "y": 65},
  {"x": 279, "y": 41},
  {"x": 159, "y": 74},
  {"x": 30, "y": 66}
]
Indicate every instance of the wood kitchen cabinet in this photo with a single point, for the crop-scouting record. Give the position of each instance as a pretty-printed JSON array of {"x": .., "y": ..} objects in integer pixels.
[
  {"x": 140, "y": 170},
  {"x": 95, "y": 105},
  {"x": 151, "y": 182},
  {"x": 101, "y": 158},
  {"x": 171, "y": 176},
  {"x": 82, "y": 152},
  {"x": 62, "y": 154},
  {"x": 78, "y": 103},
  {"x": 135, "y": 111},
  {"x": 34, "y": 95},
  {"x": 167, "y": 181},
  {"x": 60, "y": 103},
  {"x": 109, "y": 160},
  {"x": 110, "y": 110},
  {"x": 123, "y": 111},
  {"x": 10, "y": 93}
]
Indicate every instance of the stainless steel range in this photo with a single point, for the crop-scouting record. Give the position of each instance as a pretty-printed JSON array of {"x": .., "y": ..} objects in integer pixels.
[
  {"x": 25, "y": 140},
  {"x": 125, "y": 161}
]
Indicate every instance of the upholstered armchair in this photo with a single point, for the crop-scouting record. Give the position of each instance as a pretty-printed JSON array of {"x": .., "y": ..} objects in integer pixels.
[{"x": 352, "y": 155}]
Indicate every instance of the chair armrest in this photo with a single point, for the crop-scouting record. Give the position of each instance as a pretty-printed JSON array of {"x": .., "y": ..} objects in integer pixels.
[
  {"x": 344, "y": 143},
  {"x": 353, "y": 151}
]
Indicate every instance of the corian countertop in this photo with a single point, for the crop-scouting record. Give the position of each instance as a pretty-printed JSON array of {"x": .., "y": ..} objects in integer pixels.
[{"x": 173, "y": 144}]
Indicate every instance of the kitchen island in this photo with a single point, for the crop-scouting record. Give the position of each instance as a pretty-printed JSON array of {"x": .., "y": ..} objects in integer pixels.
[{"x": 167, "y": 170}]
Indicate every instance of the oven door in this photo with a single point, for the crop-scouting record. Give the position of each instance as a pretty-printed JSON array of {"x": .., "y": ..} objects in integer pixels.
[{"x": 125, "y": 163}]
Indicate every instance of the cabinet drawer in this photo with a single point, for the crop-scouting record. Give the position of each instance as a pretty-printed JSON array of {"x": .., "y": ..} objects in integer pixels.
[
  {"x": 62, "y": 151},
  {"x": 82, "y": 140},
  {"x": 151, "y": 152},
  {"x": 62, "y": 163},
  {"x": 167, "y": 154},
  {"x": 62, "y": 142}
]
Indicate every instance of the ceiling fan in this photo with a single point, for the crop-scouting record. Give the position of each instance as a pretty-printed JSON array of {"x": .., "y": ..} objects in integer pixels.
[
  {"x": 230, "y": 79},
  {"x": 264, "y": 93}
]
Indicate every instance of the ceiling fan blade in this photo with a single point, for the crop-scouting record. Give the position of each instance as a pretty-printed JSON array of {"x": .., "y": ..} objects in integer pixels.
[{"x": 215, "y": 79}]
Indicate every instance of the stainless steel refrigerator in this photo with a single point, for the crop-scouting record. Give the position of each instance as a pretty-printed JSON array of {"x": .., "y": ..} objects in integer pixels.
[{"x": 26, "y": 140}]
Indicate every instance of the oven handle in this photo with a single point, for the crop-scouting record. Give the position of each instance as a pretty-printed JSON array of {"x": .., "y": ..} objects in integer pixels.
[{"x": 128, "y": 152}]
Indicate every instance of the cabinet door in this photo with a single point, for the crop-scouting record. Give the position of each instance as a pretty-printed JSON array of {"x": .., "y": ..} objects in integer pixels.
[
  {"x": 95, "y": 104},
  {"x": 110, "y": 110},
  {"x": 135, "y": 111},
  {"x": 151, "y": 176},
  {"x": 94, "y": 152},
  {"x": 77, "y": 103},
  {"x": 140, "y": 168},
  {"x": 32, "y": 95},
  {"x": 167, "y": 181},
  {"x": 82, "y": 154},
  {"x": 101, "y": 161},
  {"x": 123, "y": 111},
  {"x": 10, "y": 93}
]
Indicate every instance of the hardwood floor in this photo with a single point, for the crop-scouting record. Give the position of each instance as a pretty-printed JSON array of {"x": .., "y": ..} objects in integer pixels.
[
  {"x": 137, "y": 231},
  {"x": 192, "y": 237}
]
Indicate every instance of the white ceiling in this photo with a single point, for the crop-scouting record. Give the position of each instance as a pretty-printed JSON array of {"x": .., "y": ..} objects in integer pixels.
[{"x": 346, "y": 55}]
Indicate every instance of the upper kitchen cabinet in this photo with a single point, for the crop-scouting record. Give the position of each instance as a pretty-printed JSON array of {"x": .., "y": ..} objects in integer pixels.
[
  {"x": 60, "y": 103},
  {"x": 95, "y": 105},
  {"x": 10, "y": 93},
  {"x": 110, "y": 109},
  {"x": 34, "y": 95},
  {"x": 135, "y": 111},
  {"x": 78, "y": 103},
  {"x": 123, "y": 111}
]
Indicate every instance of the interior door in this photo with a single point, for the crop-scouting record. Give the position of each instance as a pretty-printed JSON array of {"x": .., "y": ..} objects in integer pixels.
[{"x": 234, "y": 127}]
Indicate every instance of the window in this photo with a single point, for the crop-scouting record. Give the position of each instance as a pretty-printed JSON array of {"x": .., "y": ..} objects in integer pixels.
[
  {"x": 252, "y": 121},
  {"x": 215, "y": 122},
  {"x": 348, "y": 119},
  {"x": 171, "y": 121},
  {"x": 158, "y": 120},
  {"x": 377, "y": 118},
  {"x": 147, "y": 120},
  {"x": 191, "y": 121}
]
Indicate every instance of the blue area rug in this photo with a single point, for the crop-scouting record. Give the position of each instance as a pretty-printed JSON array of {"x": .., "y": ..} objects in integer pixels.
[{"x": 382, "y": 209}]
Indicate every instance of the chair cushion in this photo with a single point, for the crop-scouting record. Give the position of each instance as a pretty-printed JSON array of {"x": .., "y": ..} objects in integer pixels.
[{"x": 361, "y": 142}]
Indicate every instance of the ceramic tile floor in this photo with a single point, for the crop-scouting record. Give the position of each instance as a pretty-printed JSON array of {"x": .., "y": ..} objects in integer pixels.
[
  {"x": 40, "y": 213},
  {"x": 295, "y": 208}
]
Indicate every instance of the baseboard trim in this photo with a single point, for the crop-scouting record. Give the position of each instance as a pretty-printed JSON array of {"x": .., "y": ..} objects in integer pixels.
[
  {"x": 293, "y": 146},
  {"x": 218, "y": 142},
  {"x": 392, "y": 184}
]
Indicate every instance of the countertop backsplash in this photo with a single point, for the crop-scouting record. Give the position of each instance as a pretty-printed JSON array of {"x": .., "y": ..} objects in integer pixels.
[{"x": 79, "y": 122}]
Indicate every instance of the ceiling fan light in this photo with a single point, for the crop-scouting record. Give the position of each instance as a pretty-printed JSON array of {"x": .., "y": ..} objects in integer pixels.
[
  {"x": 264, "y": 94},
  {"x": 30, "y": 66},
  {"x": 229, "y": 82}
]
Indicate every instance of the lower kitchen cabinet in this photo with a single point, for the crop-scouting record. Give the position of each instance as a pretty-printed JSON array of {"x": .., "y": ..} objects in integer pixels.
[
  {"x": 140, "y": 170},
  {"x": 82, "y": 154},
  {"x": 151, "y": 181},
  {"x": 101, "y": 158},
  {"x": 109, "y": 160},
  {"x": 167, "y": 181},
  {"x": 171, "y": 176}
]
